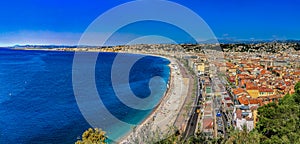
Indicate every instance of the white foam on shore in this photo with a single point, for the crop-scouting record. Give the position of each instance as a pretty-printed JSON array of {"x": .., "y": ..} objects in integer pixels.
[{"x": 165, "y": 114}]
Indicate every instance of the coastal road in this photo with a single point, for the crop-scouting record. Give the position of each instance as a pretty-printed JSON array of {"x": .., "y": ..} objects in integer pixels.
[
  {"x": 181, "y": 120},
  {"x": 220, "y": 120},
  {"x": 192, "y": 122},
  {"x": 225, "y": 123}
]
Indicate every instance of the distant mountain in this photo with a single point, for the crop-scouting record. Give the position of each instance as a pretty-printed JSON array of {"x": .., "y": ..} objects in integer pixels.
[{"x": 234, "y": 41}]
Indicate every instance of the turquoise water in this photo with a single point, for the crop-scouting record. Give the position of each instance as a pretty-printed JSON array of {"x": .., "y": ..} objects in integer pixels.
[{"x": 37, "y": 102}]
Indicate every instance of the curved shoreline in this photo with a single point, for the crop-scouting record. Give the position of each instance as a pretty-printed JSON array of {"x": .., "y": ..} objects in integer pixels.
[
  {"x": 152, "y": 113},
  {"x": 168, "y": 108}
]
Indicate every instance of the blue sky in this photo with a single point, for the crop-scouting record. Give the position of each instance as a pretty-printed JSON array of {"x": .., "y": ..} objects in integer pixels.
[{"x": 63, "y": 22}]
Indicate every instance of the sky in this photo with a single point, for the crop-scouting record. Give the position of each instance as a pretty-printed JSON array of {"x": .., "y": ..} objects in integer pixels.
[{"x": 62, "y": 22}]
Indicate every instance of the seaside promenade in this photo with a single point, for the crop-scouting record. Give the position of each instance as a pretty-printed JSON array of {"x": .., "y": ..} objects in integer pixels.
[{"x": 169, "y": 112}]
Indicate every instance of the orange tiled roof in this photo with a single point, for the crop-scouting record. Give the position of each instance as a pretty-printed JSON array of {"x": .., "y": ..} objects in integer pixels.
[
  {"x": 263, "y": 72},
  {"x": 264, "y": 89},
  {"x": 238, "y": 91},
  {"x": 243, "y": 76},
  {"x": 297, "y": 73},
  {"x": 228, "y": 64},
  {"x": 251, "y": 87},
  {"x": 247, "y": 101},
  {"x": 287, "y": 83}
]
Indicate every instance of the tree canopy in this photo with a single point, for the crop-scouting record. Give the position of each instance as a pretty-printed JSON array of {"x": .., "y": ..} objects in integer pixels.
[
  {"x": 280, "y": 123},
  {"x": 93, "y": 136}
]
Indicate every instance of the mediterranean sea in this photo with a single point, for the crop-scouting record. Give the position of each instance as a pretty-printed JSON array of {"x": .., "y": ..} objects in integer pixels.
[{"x": 37, "y": 102}]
